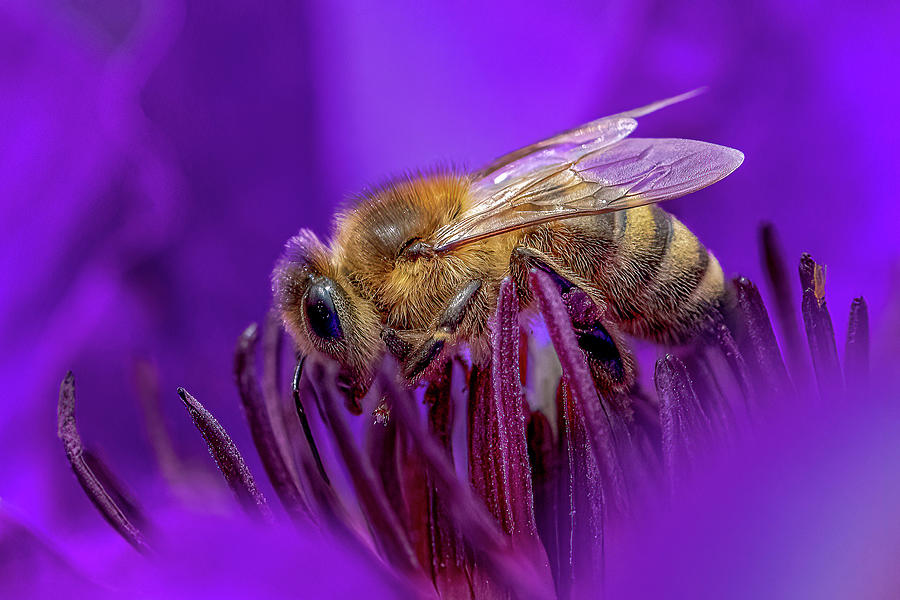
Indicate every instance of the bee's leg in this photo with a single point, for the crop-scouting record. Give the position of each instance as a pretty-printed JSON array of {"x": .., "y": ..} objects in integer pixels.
[
  {"x": 395, "y": 344},
  {"x": 450, "y": 320},
  {"x": 610, "y": 362}
]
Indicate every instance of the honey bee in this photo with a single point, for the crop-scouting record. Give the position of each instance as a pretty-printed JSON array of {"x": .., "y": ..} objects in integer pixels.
[{"x": 415, "y": 266}]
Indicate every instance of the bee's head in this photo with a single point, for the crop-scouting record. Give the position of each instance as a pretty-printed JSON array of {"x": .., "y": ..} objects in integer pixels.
[{"x": 323, "y": 314}]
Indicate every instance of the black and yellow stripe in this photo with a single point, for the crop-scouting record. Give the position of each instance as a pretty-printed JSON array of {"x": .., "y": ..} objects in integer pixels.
[{"x": 657, "y": 279}]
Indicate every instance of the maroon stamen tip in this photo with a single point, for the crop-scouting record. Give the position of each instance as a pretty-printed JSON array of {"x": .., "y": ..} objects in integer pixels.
[
  {"x": 67, "y": 432},
  {"x": 268, "y": 440},
  {"x": 856, "y": 353},
  {"x": 822, "y": 346},
  {"x": 227, "y": 457},
  {"x": 807, "y": 272}
]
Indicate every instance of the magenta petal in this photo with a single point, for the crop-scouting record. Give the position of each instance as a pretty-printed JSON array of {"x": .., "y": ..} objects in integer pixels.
[
  {"x": 90, "y": 483},
  {"x": 228, "y": 458},
  {"x": 578, "y": 376}
]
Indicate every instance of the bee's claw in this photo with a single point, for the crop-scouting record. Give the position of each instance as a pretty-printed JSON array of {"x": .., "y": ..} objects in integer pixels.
[
  {"x": 398, "y": 347},
  {"x": 451, "y": 319},
  {"x": 531, "y": 259},
  {"x": 422, "y": 357}
]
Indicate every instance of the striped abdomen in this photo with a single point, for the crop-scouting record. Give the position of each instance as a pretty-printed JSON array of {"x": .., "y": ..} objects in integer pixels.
[{"x": 658, "y": 280}]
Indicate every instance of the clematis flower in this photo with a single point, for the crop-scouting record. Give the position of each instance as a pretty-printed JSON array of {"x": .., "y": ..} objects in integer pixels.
[{"x": 488, "y": 481}]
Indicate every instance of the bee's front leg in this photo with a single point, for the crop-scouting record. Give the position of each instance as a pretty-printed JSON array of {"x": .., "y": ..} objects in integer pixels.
[{"x": 443, "y": 331}]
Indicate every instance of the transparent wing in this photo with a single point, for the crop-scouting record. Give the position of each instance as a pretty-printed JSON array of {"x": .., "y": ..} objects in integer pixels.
[
  {"x": 588, "y": 137},
  {"x": 581, "y": 181}
]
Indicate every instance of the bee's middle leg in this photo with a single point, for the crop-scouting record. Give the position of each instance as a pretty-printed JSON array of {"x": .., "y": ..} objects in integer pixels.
[
  {"x": 418, "y": 359},
  {"x": 611, "y": 363}
]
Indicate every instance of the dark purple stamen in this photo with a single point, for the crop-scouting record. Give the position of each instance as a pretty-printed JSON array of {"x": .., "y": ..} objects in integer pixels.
[
  {"x": 262, "y": 424},
  {"x": 167, "y": 459},
  {"x": 819, "y": 329},
  {"x": 475, "y": 524},
  {"x": 117, "y": 490},
  {"x": 678, "y": 417},
  {"x": 543, "y": 454},
  {"x": 92, "y": 486},
  {"x": 779, "y": 281},
  {"x": 579, "y": 379},
  {"x": 760, "y": 346},
  {"x": 228, "y": 458},
  {"x": 509, "y": 451},
  {"x": 448, "y": 557},
  {"x": 729, "y": 348},
  {"x": 541, "y": 502},
  {"x": 856, "y": 352},
  {"x": 379, "y": 513},
  {"x": 580, "y": 523},
  {"x": 312, "y": 449}
]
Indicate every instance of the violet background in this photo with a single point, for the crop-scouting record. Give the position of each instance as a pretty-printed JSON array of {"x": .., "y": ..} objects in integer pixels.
[{"x": 155, "y": 156}]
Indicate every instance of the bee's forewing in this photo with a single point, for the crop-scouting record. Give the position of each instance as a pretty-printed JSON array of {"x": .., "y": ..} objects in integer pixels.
[
  {"x": 581, "y": 180},
  {"x": 588, "y": 137}
]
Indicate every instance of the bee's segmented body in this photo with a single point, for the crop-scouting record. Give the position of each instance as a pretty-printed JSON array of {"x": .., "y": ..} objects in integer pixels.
[{"x": 656, "y": 279}]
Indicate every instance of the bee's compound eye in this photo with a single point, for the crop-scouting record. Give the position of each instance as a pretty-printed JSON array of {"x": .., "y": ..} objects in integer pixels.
[{"x": 321, "y": 312}]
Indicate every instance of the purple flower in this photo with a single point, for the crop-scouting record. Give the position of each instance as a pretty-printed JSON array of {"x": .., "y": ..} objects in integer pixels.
[
  {"x": 543, "y": 498},
  {"x": 156, "y": 155}
]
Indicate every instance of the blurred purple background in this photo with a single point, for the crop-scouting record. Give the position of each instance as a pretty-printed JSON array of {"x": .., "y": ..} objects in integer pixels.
[{"x": 155, "y": 156}]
